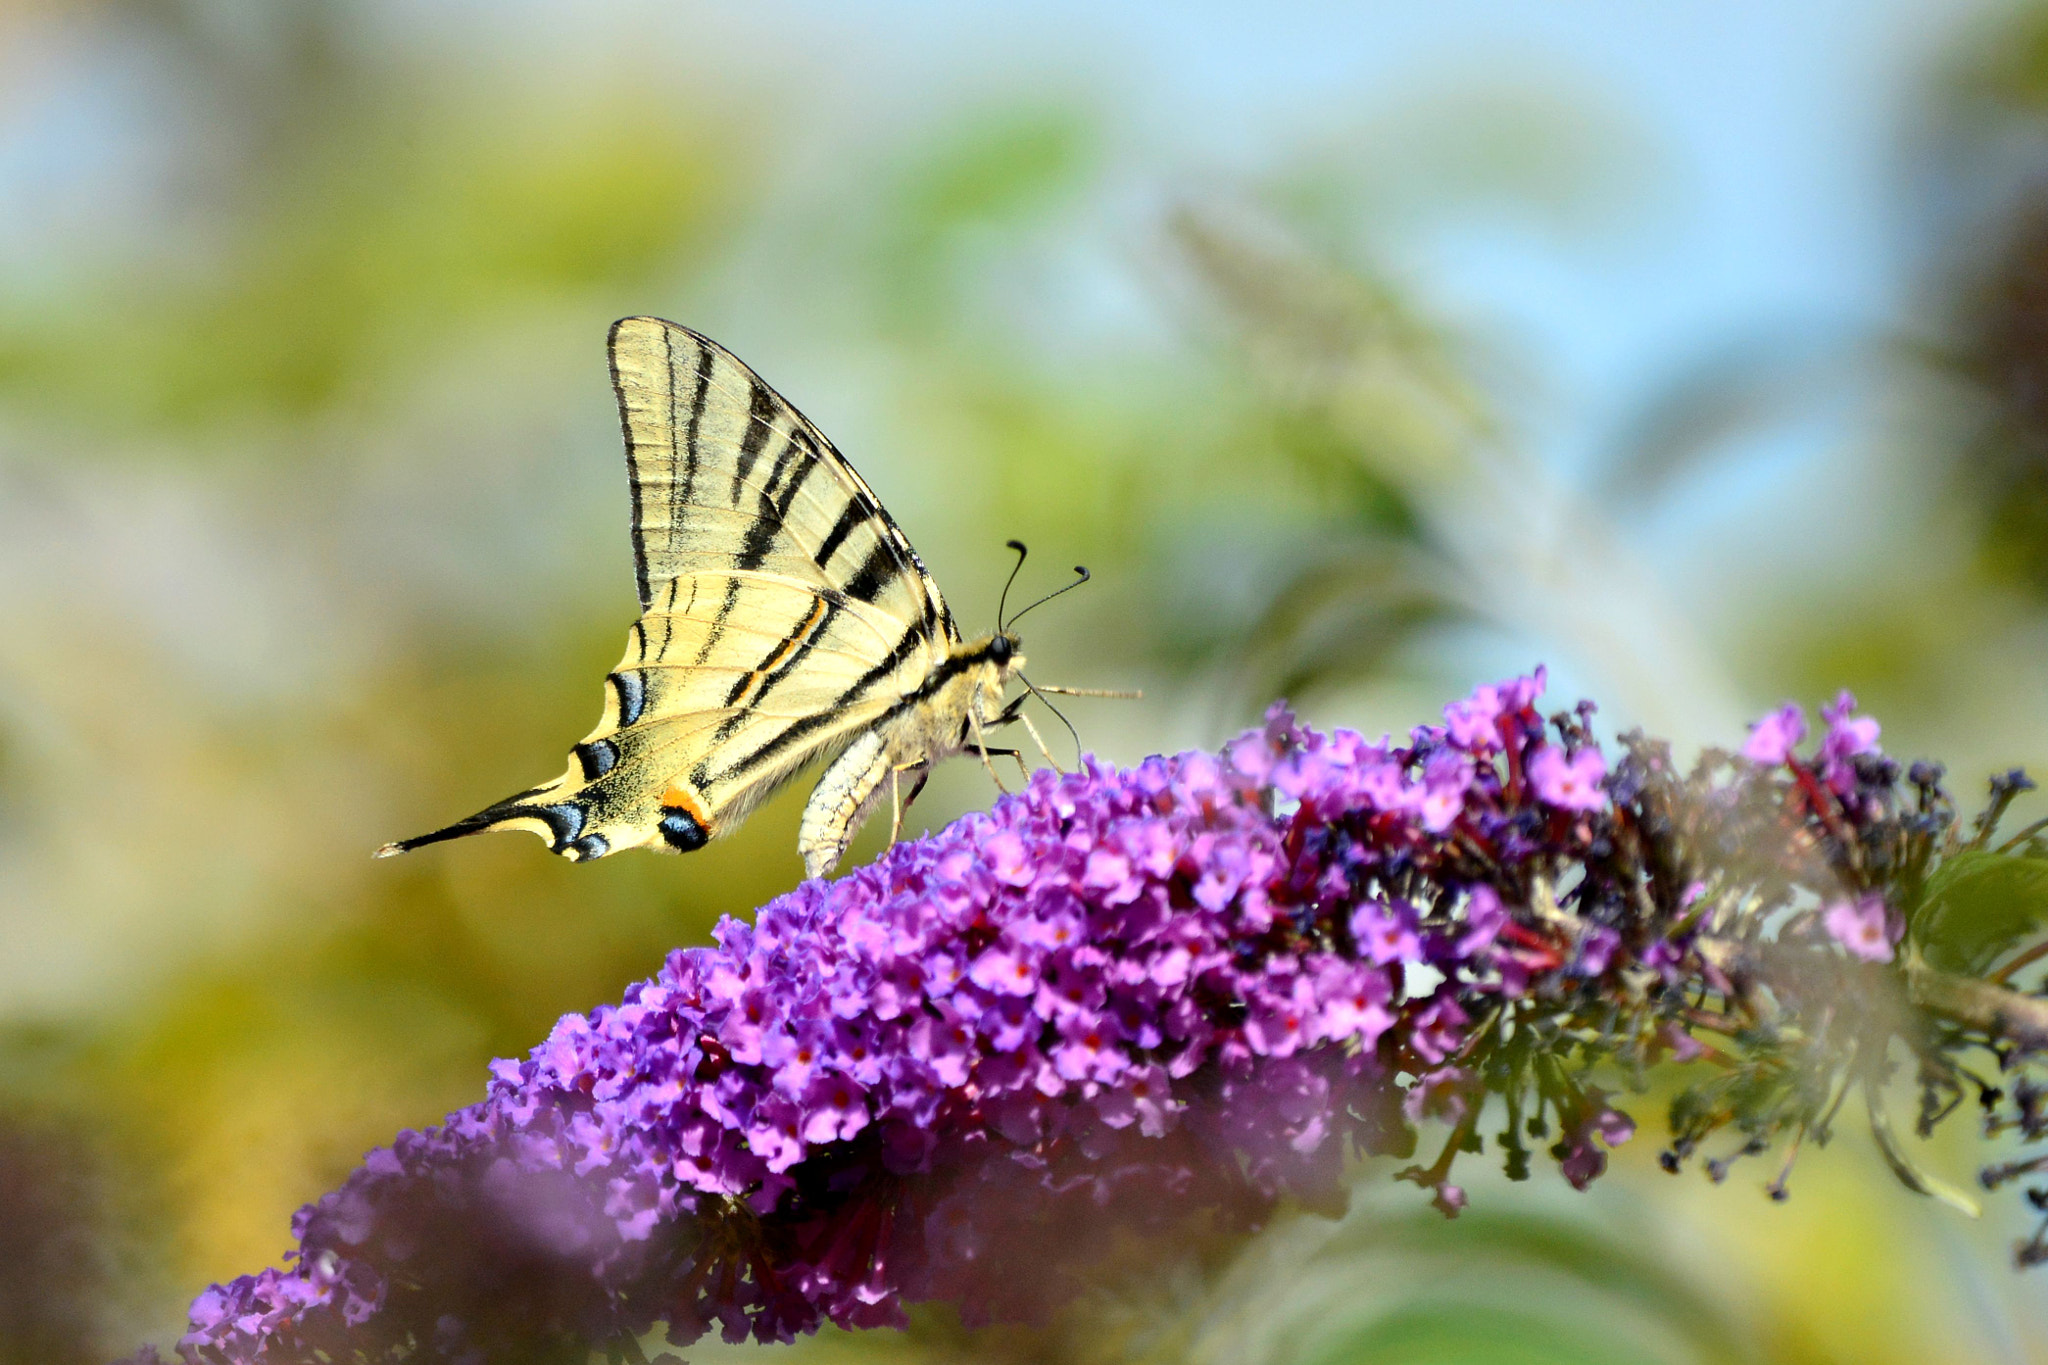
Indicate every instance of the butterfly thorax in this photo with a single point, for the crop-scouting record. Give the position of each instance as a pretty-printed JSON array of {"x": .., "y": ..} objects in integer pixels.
[{"x": 963, "y": 692}]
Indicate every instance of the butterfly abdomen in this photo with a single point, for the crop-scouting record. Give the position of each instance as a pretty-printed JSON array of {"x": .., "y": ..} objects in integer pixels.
[{"x": 935, "y": 720}]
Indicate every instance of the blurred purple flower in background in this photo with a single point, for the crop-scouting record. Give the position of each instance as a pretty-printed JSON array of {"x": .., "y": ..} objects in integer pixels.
[
  {"x": 1121, "y": 1003},
  {"x": 1859, "y": 926},
  {"x": 1848, "y": 735},
  {"x": 1569, "y": 783},
  {"x": 1773, "y": 739}
]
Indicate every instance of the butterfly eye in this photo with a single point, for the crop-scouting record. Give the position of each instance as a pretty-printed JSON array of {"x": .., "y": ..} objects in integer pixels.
[{"x": 1001, "y": 648}]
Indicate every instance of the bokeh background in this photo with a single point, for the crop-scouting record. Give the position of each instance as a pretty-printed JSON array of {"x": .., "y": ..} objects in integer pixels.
[{"x": 1364, "y": 351}]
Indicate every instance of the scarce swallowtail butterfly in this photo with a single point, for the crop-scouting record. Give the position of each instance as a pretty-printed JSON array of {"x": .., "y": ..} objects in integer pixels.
[{"x": 785, "y": 620}]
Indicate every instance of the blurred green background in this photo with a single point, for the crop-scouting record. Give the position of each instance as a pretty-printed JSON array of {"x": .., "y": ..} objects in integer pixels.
[{"x": 1363, "y": 351}]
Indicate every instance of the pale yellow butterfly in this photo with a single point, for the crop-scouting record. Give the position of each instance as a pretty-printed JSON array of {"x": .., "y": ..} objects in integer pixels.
[{"x": 786, "y": 620}]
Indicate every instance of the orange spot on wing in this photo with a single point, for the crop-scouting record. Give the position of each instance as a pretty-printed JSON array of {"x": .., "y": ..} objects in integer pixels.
[{"x": 677, "y": 798}]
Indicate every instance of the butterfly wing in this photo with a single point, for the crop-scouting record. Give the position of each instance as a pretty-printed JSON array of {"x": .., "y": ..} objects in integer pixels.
[{"x": 783, "y": 611}]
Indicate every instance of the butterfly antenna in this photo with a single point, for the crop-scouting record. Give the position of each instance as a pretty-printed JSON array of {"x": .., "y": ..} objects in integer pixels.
[
  {"x": 1079, "y": 569},
  {"x": 1032, "y": 688},
  {"x": 1018, "y": 546}
]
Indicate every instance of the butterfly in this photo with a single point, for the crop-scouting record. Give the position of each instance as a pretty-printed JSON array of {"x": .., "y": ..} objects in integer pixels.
[{"x": 785, "y": 621}]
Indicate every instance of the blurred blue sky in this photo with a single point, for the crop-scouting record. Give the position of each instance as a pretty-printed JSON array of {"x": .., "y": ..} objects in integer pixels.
[{"x": 1761, "y": 140}]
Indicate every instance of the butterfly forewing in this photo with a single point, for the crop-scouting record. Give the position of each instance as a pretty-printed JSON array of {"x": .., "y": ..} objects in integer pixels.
[
  {"x": 783, "y": 611},
  {"x": 726, "y": 473}
]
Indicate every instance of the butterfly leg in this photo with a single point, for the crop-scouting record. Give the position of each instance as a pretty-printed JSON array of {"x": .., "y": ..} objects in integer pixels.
[
  {"x": 1022, "y": 766},
  {"x": 1039, "y": 740},
  {"x": 981, "y": 750},
  {"x": 898, "y": 803}
]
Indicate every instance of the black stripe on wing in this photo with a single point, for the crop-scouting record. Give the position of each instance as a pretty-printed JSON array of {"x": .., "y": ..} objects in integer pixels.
[
  {"x": 876, "y": 572},
  {"x": 761, "y": 413},
  {"x": 783, "y": 655},
  {"x": 682, "y": 444},
  {"x": 857, "y": 510},
  {"x": 796, "y": 730},
  {"x": 772, "y": 504},
  {"x": 717, "y": 629}
]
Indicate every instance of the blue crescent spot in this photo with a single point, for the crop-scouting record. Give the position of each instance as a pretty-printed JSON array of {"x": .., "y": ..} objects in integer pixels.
[
  {"x": 682, "y": 832},
  {"x": 598, "y": 757},
  {"x": 632, "y": 689},
  {"x": 564, "y": 820}
]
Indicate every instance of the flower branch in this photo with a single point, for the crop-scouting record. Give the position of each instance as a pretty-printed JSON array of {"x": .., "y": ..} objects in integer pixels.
[
  {"x": 2003, "y": 1016},
  {"x": 1130, "y": 1008}
]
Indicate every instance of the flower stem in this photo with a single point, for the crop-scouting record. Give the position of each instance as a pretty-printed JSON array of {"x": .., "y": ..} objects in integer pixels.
[
  {"x": 1992, "y": 1009},
  {"x": 2031, "y": 955}
]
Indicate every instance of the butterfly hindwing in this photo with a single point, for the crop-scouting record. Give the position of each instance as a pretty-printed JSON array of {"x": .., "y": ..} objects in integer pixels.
[
  {"x": 783, "y": 611},
  {"x": 712, "y": 709}
]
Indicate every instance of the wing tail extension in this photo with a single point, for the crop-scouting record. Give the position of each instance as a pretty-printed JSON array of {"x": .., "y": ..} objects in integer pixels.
[{"x": 561, "y": 823}]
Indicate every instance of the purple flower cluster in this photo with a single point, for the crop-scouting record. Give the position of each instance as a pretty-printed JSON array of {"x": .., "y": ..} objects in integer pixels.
[
  {"x": 1120, "y": 1001},
  {"x": 1775, "y": 739}
]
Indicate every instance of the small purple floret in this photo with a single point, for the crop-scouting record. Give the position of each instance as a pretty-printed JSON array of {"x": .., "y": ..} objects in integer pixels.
[
  {"x": 1569, "y": 783},
  {"x": 1860, "y": 926},
  {"x": 1848, "y": 735},
  {"x": 1773, "y": 739}
]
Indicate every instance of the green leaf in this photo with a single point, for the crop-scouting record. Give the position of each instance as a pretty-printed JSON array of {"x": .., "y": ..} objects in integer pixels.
[
  {"x": 1977, "y": 907},
  {"x": 1395, "y": 1288}
]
